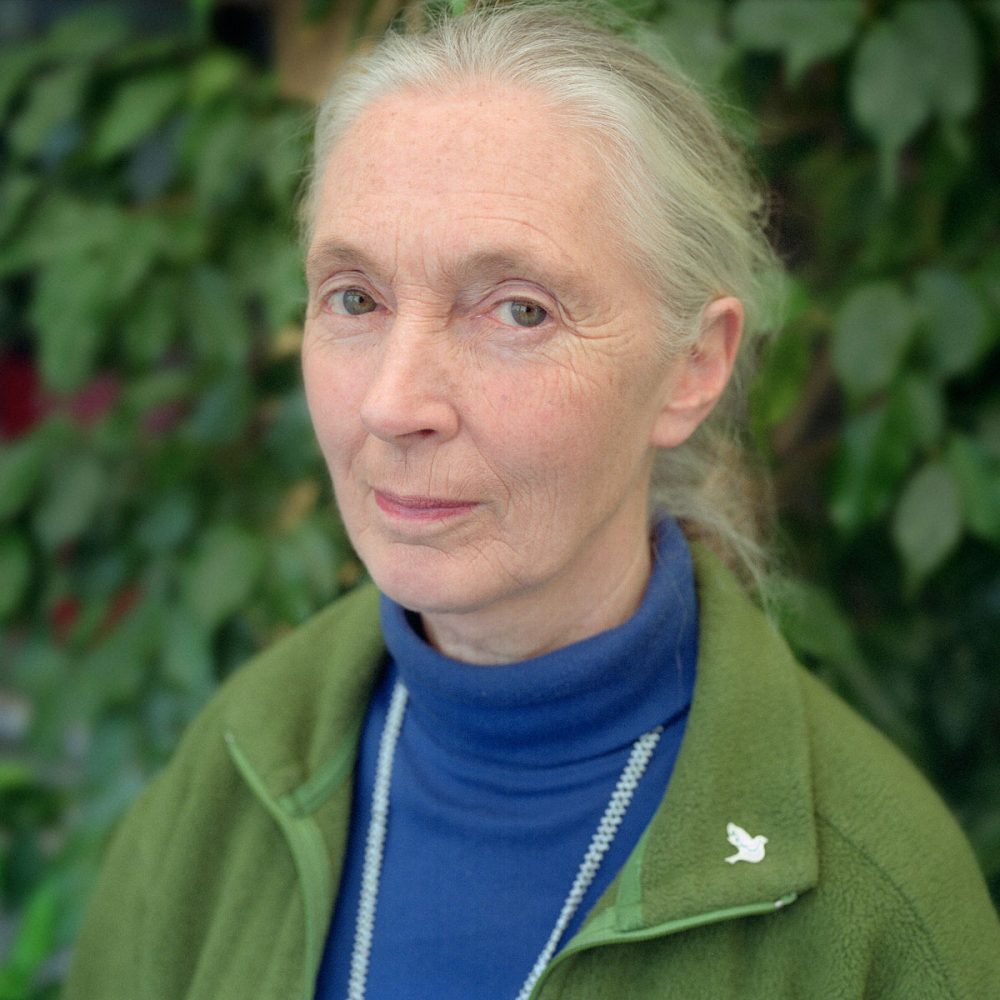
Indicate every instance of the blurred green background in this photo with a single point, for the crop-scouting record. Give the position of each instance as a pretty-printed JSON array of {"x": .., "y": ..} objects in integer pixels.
[{"x": 163, "y": 509}]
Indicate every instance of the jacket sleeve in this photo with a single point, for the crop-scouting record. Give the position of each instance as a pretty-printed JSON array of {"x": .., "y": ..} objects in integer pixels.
[
  {"x": 950, "y": 951},
  {"x": 901, "y": 900}
]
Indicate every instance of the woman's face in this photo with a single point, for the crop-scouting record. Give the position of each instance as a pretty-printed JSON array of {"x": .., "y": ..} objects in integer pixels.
[{"x": 481, "y": 365}]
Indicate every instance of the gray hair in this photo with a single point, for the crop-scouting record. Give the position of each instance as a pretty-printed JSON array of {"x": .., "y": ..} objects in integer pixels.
[{"x": 691, "y": 213}]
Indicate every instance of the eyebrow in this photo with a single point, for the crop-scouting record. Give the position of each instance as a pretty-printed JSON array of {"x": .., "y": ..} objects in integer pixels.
[
  {"x": 333, "y": 254},
  {"x": 487, "y": 265}
]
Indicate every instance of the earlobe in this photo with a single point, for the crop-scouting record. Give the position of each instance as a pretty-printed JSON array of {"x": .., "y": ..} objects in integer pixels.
[{"x": 697, "y": 379}]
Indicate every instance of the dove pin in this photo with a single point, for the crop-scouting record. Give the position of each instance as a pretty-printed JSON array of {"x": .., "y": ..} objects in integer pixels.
[{"x": 747, "y": 848}]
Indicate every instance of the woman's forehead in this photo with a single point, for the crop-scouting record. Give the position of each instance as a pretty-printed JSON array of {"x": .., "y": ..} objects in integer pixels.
[
  {"x": 501, "y": 138},
  {"x": 491, "y": 174},
  {"x": 470, "y": 116}
]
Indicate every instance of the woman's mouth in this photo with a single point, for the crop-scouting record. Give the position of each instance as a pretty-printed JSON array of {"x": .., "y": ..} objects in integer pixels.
[{"x": 419, "y": 507}]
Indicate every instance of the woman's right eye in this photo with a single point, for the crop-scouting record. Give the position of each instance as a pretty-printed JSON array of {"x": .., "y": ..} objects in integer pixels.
[{"x": 351, "y": 302}]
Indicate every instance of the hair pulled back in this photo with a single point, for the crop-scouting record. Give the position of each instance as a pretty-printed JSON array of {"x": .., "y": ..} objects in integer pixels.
[{"x": 691, "y": 215}]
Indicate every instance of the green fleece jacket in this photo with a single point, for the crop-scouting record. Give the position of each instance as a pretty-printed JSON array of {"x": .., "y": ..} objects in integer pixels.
[{"x": 220, "y": 881}]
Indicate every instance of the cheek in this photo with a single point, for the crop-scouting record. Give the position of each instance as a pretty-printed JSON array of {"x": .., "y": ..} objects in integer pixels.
[
  {"x": 578, "y": 409},
  {"x": 332, "y": 396},
  {"x": 559, "y": 431}
]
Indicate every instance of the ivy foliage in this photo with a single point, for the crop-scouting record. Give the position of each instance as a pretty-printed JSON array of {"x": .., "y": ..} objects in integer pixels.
[{"x": 163, "y": 509}]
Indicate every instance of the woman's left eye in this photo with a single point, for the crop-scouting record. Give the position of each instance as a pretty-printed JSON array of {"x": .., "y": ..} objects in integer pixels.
[
  {"x": 522, "y": 312},
  {"x": 351, "y": 302}
]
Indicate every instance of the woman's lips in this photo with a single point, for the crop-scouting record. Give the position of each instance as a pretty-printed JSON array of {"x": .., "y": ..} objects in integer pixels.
[{"x": 420, "y": 508}]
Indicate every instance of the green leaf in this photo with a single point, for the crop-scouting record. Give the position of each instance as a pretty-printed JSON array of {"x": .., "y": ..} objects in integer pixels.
[
  {"x": 953, "y": 321},
  {"x": 202, "y": 10},
  {"x": 307, "y": 557},
  {"x": 69, "y": 308},
  {"x": 284, "y": 287},
  {"x": 214, "y": 75},
  {"x": 136, "y": 109},
  {"x": 805, "y": 31},
  {"x": 778, "y": 386},
  {"x": 220, "y": 159},
  {"x": 53, "y": 101},
  {"x": 114, "y": 670},
  {"x": 16, "y": 65},
  {"x": 33, "y": 941},
  {"x": 63, "y": 226},
  {"x": 189, "y": 240},
  {"x": 166, "y": 385},
  {"x": 988, "y": 429},
  {"x": 20, "y": 469},
  {"x": 15, "y": 775},
  {"x": 283, "y": 155},
  {"x": 74, "y": 494},
  {"x": 884, "y": 99},
  {"x": 90, "y": 32},
  {"x": 187, "y": 654},
  {"x": 117, "y": 667},
  {"x": 978, "y": 478},
  {"x": 923, "y": 62},
  {"x": 111, "y": 750},
  {"x": 987, "y": 278},
  {"x": 927, "y": 521},
  {"x": 167, "y": 524},
  {"x": 218, "y": 324},
  {"x": 877, "y": 449},
  {"x": 15, "y": 571},
  {"x": 223, "y": 411},
  {"x": 146, "y": 236},
  {"x": 151, "y": 325},
  {"x": 691, "y": 31},
  {"x": 287, "y": 441},
  {"x": 956, "y": 699},
  {"x": 943, "y": 35},
  {"x": 16, "y": 191},
  {"x": 103, "y": 805},
  {"x": 222, "y": 574},
  {"x": 923, "y": 401},
  {"x": 813, "y": 623},
  {"x": 140, "y": 54},
  {"x": 817, "y": 627},
  {"x": 269, "y": 267},
  {"x": 992, "y": 7},
  {"x": 871, "y": 333}
]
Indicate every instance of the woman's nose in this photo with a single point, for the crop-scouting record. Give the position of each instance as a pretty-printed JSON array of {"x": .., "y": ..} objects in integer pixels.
[{"x": 410, "y": 396}]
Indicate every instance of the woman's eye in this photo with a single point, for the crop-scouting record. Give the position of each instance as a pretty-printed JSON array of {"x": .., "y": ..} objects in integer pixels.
[
  {"x": 352, "y": 302},
  {"x": 522, "y": 312}
]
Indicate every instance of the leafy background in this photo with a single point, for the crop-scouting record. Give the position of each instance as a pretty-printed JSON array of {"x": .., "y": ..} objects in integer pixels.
[{"x": 164, "y": 512}]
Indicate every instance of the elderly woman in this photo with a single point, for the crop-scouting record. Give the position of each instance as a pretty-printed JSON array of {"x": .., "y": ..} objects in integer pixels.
[{"x": 557, "y": 752}]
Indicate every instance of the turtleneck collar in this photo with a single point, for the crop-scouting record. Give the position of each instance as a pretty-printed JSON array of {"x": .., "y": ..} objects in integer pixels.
[{"x": 573, "y": 704}]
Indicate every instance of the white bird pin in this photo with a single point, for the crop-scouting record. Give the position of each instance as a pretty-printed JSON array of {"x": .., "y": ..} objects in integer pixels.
[{"x": 747, "y": 848}]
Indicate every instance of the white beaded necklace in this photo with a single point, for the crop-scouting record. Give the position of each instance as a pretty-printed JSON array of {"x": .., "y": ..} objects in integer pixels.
[{"x": 600, "y": 843}]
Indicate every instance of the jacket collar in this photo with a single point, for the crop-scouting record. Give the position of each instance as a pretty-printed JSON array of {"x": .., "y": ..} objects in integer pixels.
[
  {"x": 744, "y": 758},
  {"x": 296, "y": 711}
]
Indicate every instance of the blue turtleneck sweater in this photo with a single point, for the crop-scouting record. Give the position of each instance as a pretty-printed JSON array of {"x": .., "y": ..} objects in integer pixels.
[{"x": 500, "y": 778}]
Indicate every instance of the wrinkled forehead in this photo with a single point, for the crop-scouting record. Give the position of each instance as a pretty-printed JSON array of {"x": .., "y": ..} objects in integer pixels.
[
  {"x": 431, "y": 166},
  {"x": 506, "y": 138}
]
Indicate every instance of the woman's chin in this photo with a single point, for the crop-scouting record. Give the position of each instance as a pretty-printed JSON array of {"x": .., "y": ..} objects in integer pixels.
[{"x": 429, "y": 583}]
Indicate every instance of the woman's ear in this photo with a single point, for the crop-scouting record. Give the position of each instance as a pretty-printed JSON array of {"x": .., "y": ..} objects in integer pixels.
[{"x": 697, "y": 379}]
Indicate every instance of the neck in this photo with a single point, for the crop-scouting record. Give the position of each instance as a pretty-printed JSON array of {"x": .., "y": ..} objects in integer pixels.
[{"x": 597, "y": 592}]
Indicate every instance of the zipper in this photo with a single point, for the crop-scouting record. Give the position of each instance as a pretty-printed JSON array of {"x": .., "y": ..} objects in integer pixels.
[
  {"x": 308, "y": 850},
  {"x": 599, "y": 933}
]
